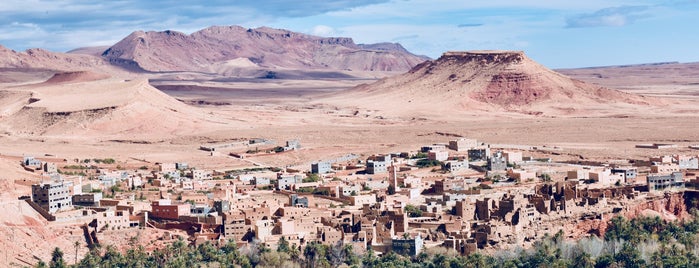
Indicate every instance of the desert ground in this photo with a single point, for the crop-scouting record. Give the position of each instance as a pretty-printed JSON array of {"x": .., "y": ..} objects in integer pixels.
[
  {"x": 309, "y": 110},
  {"x": 143, "y": 119}
]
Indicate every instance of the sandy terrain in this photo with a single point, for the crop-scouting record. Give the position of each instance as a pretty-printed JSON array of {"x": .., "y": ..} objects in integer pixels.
[
  {"x": 670, "y": 80},
  {"x": 87, "y": 116}
]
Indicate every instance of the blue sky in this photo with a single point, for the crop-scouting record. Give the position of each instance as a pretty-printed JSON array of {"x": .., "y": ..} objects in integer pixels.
[{"x": 557, "y": 33}]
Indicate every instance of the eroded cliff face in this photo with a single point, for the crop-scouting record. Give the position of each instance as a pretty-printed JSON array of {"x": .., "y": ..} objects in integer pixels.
[{"x": 670, "y": 206}]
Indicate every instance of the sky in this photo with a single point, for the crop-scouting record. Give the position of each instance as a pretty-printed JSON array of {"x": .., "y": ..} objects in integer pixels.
[{"x": 556, "y": 33}]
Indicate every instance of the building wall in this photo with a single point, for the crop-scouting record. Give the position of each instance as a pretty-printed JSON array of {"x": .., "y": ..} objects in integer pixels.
[
  {"x": 664, "y": 182},
  {"x": 376, "y": 167},
  {"x": 53, "y": 196},
  {"x": 163, "y": 209},
  {"x": 462, "y": 145},
  {"x": 664, "y": 168},
  {"x": 513, "y": 157},
  {"x": 321, "y": 167},
  {"x": 438, "y": 155}
]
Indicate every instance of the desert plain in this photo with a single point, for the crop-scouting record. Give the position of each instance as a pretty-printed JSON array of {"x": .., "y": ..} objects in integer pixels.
[{"x": 143, "y": 117}]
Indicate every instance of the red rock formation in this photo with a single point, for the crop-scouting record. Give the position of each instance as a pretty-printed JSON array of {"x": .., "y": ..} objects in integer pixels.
[{"x": 492, "y": 81}]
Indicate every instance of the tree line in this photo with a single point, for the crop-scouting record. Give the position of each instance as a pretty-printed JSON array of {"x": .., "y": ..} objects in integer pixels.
[{"x": 639, "y": 242}]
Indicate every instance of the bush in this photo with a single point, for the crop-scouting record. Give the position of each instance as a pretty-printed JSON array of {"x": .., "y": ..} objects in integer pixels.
[
  {"x": 422, "y": 163},
  {"x": 413, "y": 211}
]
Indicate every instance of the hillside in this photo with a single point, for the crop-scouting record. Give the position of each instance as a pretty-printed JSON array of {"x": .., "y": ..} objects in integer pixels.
[
  {"x": 37, "y": 58},
  {"x": 208, "y": 49},
  {"x": 486, "y": 81},
  {"x": 90, "y": 105}
]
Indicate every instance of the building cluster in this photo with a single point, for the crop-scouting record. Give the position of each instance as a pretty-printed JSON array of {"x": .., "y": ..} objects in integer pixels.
[{"x": 463, "y": 195}]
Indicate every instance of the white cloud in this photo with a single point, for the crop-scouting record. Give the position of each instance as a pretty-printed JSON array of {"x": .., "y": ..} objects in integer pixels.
[
  {"x": 323, "y": 30},
  {"x": 613, "y": 16}
]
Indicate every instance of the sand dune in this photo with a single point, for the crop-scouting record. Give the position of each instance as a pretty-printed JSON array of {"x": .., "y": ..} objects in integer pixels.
[{"x": 75, "y": 77}]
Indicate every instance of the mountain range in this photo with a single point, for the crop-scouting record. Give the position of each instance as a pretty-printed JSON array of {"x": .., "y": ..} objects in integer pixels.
[{"x": 218, "y": 49}]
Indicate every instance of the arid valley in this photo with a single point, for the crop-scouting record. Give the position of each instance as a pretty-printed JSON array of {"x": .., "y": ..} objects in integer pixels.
[{"x": 239, "y": 105}]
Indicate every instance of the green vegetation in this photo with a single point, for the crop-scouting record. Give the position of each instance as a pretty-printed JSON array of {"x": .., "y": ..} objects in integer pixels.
[
  {"x": 107, "y": 161},
  {"x": 419, "y": 155},
  {"x": 311, "y": 178},
  {"x": 413, "y": 211},
  {"x": 545, "y": 177},
  {"x": 305, "y": 190},
  {"x": 319, "y": 191},
  {"x": 76, "y": 167},
  {"x": 72, "y": 173},
  {"x": 427, "y": 163},
  {"x": 391, "y": 190},
  {"x": 637, "y": 243},
  {"x": 235, "y": 172}
]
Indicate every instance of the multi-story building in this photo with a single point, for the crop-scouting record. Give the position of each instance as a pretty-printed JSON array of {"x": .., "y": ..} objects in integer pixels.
[
  {"x": 30, "y": 161},
  {"x": 686, "y": 162},
  {"x": 629, "y": 174},
  {"x": 234, "y": 225},
  {"x": 166, "y": 209},
  {"x": 285, "y": 181},
  {"x": 378, "y": 164},
  {"x": 376, "y": 167},
  {"x": 53, "y": 196},
  {"x": 408, "y": 246},
  {"x": 663, "y": 182},
  {"x": 321, "y": 167},
  {"x": 664, "y": 168},
  {"x": 478, "y": 154},
  {"x": 497, "y": 162},
  {"x": 455, "y": 165}
]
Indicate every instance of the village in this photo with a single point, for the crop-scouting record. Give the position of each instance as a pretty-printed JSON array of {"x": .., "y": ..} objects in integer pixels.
[{"x": 463, "y": 194}]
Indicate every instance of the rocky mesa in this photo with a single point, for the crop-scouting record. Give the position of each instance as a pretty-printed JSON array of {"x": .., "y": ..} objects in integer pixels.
[
  {"x": 488, "y": 81},
  {"x": 266, "y": 47}
]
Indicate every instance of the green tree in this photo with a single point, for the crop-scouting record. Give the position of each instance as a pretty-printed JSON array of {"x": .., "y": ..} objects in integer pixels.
[
  {"x": 283, "y": 245},
  {"x": 57, "y": 259},
  {"x": 413, "y": 211},
  {"x": 391, "y": 190}
]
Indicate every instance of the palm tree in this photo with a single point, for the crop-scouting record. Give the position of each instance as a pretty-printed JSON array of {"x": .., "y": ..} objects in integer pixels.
[
  {"x": 77, "y": 245},
  {"x": 57, "y": 259}
]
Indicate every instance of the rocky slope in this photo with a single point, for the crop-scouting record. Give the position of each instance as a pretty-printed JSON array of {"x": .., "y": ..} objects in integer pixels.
[
  {"x": 90, "y": 105},
  {"x": 487, "y": 81},
  {"x": 37, "y": 58},
  {"x": 265, "y": 47}
]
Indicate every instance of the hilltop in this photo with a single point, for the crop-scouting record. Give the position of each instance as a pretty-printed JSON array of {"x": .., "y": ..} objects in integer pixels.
[
  {"x": 85, "y": 104},
  {"x": 507, "y": 81}
]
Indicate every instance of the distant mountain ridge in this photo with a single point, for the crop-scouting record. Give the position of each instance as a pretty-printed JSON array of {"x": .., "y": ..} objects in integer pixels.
[
  {"x": 267, "y": 47},
  {"x": 211, "y": 48}
]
